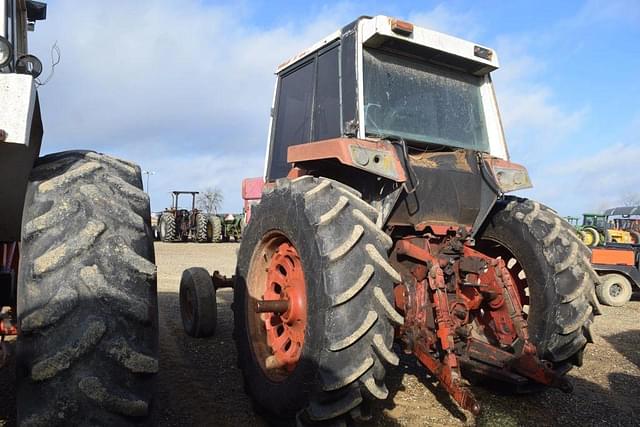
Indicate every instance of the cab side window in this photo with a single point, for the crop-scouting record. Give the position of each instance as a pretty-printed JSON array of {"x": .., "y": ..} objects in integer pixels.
[
  {"x": 307, "y": 108},
  {"x": 293, "y": 118}
]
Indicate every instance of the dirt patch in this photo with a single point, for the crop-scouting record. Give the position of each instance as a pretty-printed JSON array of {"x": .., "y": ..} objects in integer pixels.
[{"x": 200, "y": 384}]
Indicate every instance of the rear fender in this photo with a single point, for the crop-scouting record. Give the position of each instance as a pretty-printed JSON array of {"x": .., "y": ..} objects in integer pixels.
[{"x": 378, "y": 158}]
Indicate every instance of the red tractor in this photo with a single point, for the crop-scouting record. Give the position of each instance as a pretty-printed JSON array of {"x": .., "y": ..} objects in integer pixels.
[
  {"x": 181, "y": 225},
  {"x": 384, "y": 219}
]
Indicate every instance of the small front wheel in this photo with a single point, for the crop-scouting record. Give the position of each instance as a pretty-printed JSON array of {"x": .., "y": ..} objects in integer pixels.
[
  {"x": 615, "y": 290},
  {"x": 198, "y": 303}
]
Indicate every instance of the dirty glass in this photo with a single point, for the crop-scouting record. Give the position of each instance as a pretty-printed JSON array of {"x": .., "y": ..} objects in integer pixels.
[
  {"x": 326, "y": 113},
  {"x": 595, "y": 221},
  {"x": 293, "y": 121},
  {"x": 422, "y": 102}
]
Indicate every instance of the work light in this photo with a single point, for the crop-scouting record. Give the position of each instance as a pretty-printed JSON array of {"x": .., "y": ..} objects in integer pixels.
[
  {"x": 6, "y": 52},
  {"x": 29, "y": 64}
]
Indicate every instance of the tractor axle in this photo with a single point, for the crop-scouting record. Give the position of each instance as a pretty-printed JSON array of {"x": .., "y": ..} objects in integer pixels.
[
  {"x": 457, "y": 294},
  {"x": 272, "y": 306}
]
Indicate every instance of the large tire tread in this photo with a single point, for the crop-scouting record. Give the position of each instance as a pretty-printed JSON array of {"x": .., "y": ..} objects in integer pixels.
[
  {"x": 216, "y": 228},
  {"x": 88, "y": 349},
  {"x": 169, "y": 222},
  {"x": 201, "y": 228},
  {"x": 358, "y": 282},
  {"x": 571, "y": 292}
]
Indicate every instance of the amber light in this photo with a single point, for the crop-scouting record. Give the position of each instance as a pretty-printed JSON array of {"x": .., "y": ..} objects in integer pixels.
[
  {"x": 482, "y": 52},
  {"x": 401, "y": 27}
]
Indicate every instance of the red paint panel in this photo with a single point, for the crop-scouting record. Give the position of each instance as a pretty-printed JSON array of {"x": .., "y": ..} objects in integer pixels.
[
  {"x": 252, "y": 188},
  {"x": 612, "y": 256}
]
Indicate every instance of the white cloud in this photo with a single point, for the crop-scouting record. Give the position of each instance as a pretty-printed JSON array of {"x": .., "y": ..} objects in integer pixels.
[
  {"x": 590, "y": 181},
  {"x": 168, "y": 84},
  {"x": 185, "y": 88},
  {"x": 441, "y": 18},
  {"x": 532, "y": 115},
  {"x": 170, "y": 67},
  {"x": 198, "y": 172},
  {"x": 595, "y": 12}
]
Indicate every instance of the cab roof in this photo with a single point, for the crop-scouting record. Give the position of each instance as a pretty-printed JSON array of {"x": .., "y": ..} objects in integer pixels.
[{"x": 429, "y": 44}]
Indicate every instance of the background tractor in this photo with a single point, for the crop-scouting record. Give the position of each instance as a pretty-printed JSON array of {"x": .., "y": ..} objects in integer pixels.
[
  {"x": 624, "y": 224},
  {"x": 616, "y": 225},
  {"x": 592, "y": 230},
  {"x": 225, "y": 227},
  {"x": 177, "y": 224},
  {"x": 384, "y": 218},
  {"x": 77, "y": 273}
]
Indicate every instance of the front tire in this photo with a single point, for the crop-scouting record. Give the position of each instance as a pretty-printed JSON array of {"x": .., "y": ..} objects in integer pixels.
[
  {"x": 614, "y": 290},
  {"x": 329, "y": 232},
  {"x": 87, "y": 308},
  {"x": 552, "y": 269},
  {"x": 198, "y": 308}
]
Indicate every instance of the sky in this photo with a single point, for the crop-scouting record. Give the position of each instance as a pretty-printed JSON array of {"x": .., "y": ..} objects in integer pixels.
[{"x": 184, "y": 87}]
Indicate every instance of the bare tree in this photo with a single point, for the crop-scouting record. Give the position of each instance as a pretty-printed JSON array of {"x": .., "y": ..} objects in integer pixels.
[
  {"x": 631, "y": 199},
  {"x": 210, "y": 200}
]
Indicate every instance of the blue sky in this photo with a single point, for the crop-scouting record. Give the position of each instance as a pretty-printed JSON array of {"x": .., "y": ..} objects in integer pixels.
[{"x": 184, "y": 87}]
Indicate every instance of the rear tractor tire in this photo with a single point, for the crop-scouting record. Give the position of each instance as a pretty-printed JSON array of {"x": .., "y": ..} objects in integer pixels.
[
  {"x": 87, "y": 308},
  {"x": 167, "y": 227},
  {"x": 215, "y": 228},
  {"x": 323, "y": 257},
  {"x": 614, "y": 290},
  {"x": 552, "y": 270},
  {"x": 198, "y": 303},
  {"x": 202, "y": 228}
]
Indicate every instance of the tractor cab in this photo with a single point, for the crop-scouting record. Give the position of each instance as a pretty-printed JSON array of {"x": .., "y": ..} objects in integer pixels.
[
  {"x": 402, "y": 106},
  {"x": 598, "y": 221}
]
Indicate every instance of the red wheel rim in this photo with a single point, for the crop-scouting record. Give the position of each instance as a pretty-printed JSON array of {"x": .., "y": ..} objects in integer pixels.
[
  {"x": 285, "y": 282},
  {"x": 516, "y": 270},
  {"x": 276, "y": 277}
]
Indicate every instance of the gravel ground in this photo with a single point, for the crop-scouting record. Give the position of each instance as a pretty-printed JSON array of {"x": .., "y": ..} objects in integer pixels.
[{"x": 200, "y": 385}]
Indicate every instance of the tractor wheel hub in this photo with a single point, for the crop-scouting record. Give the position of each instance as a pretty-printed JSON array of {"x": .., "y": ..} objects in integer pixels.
[{"x": 285, "y": 294}]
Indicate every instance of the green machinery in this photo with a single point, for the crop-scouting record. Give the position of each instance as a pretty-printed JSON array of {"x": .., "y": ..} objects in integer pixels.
[
  {"x": 613, "y": 226},
  {"x": 224, "y": 227}
]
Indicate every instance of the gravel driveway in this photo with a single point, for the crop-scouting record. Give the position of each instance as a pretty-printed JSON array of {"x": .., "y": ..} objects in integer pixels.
[{"x": 200, "y": 385}]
